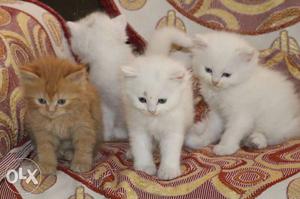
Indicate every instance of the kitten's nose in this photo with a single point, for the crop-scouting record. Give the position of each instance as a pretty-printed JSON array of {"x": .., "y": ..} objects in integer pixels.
[
  {"x": 152, "y": 112},
  {"x": 215, "y": 83},
  {"x": 151, "y": 109},
  {"x": 51, "y": 109}
]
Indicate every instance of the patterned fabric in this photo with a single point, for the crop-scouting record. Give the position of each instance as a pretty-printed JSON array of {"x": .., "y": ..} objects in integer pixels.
[
  {"x": 247, "y": 17},
  {"x": 22, "y": 38},
  {"x": 8, "y": 192},
  {"x": 293, "y": 191},
  {"x": 243, "y": 175},
  {"x": 284, "y": 55}
]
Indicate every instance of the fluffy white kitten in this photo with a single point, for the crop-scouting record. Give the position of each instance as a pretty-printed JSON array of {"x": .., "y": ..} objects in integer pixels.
[
  {"x": 158, "y": 104},
  {"x": 246, "y": 101},
  {"x": 101, "y": 42}
]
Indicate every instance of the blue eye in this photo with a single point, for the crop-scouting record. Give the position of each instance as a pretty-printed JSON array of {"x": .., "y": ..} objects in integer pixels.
[
  {"x": 42, "y": 101},
  {"x": 226, "y": 75},
  {"x": 161, "y": 101},
  {"x": 61, "y": 101},
  {"x": 142, "y": 100},
  {"x": 208, "y": 70}
]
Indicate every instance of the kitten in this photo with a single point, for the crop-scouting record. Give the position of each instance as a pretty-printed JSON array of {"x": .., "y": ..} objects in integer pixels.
[
  {"x": 63, "y": 113},
  {"x": 158, "y": 103},
  {"x": 101, "y": 42},
  {"x": 246, "y": 101}
]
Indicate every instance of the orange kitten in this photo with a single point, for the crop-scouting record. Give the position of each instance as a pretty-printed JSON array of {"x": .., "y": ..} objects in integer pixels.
[{"x": 63, "y": 113}]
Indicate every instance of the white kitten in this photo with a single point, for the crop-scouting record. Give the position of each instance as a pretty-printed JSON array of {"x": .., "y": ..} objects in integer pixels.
[
  {"x": 158, "y": 104},
  {"x": 101, "y": 42},
  {"x": 246, "y": 100}
]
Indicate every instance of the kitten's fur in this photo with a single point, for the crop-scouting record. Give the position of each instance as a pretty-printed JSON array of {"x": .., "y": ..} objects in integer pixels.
[
  {"x": 60, "y": 129},
  {"x": 255, "y": 104},
  {"x": 101, "y": 42},
  {"x": 158, "y": 104}
]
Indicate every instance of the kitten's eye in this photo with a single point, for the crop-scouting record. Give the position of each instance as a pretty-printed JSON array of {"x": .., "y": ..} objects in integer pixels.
[
  {"x": 142, "y": 100},
  {"x": 161, "y": 101},
  {"x": 226, "y": 75},
  {"x": 42, "y": 101},
  {"x": 208, "y": 70},
  {"x": 61, "y": 101}
]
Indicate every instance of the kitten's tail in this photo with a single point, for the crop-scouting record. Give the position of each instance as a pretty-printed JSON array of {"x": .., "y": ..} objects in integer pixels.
[{"x": 163, "y": 38}]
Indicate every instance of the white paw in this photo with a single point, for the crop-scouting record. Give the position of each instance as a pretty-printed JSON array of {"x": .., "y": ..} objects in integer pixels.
[
  {"x": 197, "y": 128},
  {"x": 120, "y": 134},
  {"x": 257, "y": 141},
  {"x": 221, "y": 149},
  {"x": 197, "y": 137},
  {"x": 168, "y": 172},
  {"x": 107, "y": 136},
  {"x": 196, "y": 141},
  {"x": 150, "y": 169}
]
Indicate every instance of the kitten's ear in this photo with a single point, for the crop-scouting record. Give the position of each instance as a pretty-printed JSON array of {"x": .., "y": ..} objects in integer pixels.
[
  {"x": 27, "y": 75},
  {"x": 128, "y": 71},
  {"x": 78, "y": 77},
  {"x": 121, "y": 21},
  {"x": 247, "y": 55},
  {"x": 199, "y": 42},
  {"x": 178, "y": 75}
]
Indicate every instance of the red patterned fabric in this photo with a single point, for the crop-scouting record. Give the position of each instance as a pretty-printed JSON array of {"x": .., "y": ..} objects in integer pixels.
[
  {"x": 8, "y": 191},
  {"x": 245, "y": 17},
  {"x": 205, "y": 175}
]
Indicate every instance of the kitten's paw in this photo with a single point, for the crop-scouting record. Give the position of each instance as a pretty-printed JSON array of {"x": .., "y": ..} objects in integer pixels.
[
  {"x": 256, "y": 141},
  {"x": 108, "y": 136},
  {"x": 197, "y": 136},
  {"x": 221, "y": 149},
  {"x": 195, "y": 141},
  {"x": 80, "y": 167},
  {"x": 150, "y": 169},
  {"x": 47, "y": 168},
  {"x": 168, "y": 172},
  {"x": 120, "y": 134},
  {"x": 197, "y": 129}
]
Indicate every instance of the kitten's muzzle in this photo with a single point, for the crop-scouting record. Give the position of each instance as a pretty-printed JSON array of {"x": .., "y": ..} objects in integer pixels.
[
  {"x": 215, "y": 83},
  {"x": 151, "y": 109}
]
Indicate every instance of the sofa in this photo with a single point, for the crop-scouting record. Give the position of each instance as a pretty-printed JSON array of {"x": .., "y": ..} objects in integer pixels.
[{"x": 30, "y": 29}]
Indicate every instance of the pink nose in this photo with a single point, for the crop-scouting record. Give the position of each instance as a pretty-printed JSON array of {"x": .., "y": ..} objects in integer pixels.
[
  {"x": 152, "y": 111},
  {"x": 215, "y": 83}
]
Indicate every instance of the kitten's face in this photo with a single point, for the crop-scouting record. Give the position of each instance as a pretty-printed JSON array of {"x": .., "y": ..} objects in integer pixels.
[
  {"x": 223, "y": 63},
  {"x": 52, "y": 104},
  {"x": 151, "y": 89},
  {"x": 50, "y": 92}
]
